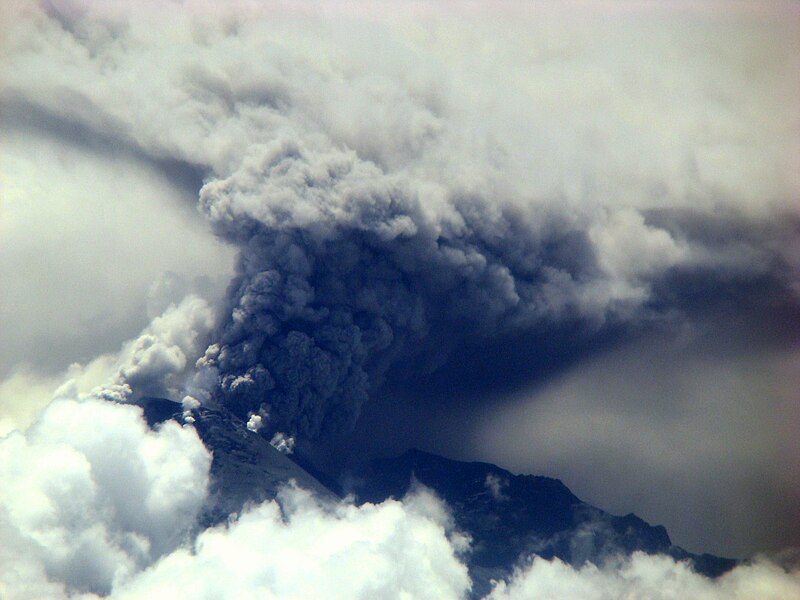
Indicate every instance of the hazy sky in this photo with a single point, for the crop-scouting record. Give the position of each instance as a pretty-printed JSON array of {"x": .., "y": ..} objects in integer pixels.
[{"x": 563, "y": 238}]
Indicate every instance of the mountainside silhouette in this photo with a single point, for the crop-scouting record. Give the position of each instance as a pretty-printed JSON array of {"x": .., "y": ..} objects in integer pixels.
[
  {"x": 508, "y": 517},
  {"x": 512, "y": 517}
]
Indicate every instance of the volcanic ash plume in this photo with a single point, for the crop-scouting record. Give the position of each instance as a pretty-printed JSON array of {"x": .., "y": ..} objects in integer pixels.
[
  {"x": 345, "y": 270},
  {"x": 390, "y": 205}
]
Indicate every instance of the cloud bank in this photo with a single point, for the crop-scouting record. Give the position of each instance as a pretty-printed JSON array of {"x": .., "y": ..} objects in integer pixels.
[
  {"x": 94, "y": 504},
  {"x": 90, "y": 496},
  {"x": 644, "y": 576}
]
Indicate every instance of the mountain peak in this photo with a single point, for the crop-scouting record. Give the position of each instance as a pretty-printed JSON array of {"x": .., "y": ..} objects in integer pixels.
[
  {"x": 245, "y": 467},
  {"x": 510, "y": 517}
]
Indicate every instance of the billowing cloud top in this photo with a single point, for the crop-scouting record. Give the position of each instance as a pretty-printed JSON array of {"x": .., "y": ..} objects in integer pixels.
[{"x": 392, "y": 192}]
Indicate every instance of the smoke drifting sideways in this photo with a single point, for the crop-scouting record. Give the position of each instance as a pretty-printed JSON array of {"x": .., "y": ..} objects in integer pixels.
[
  {"x": 359, "y": 256},
  {"x": 344, "y": 275},
  {"x": 392, "y": 206}
]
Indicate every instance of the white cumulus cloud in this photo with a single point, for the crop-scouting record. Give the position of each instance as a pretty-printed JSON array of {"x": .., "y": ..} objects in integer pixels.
[
  {"x": 89, "y": 495},
  {"x": 646, "y": 577}
]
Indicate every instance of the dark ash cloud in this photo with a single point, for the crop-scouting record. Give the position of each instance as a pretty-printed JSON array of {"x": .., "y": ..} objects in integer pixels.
[
  {"x": 443, "y": 208},
  {"x": 344, "y": 276},
  {"x": 318, "y": 317}
]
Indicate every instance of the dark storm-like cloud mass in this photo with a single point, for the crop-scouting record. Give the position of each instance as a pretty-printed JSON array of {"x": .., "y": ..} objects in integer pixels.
[
  {"x": 320, "y": 313},
  {"x": 445, "y": 206},
  {"x": 343, "y": 274},
  {"x": 381, "y": 218}
]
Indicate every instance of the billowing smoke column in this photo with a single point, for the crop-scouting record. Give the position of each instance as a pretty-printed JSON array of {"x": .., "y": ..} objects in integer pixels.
[
  {"x": 357, "y": 256},
  {"x": 394, "y": 193},
  {"x": 345, "y": 270}
]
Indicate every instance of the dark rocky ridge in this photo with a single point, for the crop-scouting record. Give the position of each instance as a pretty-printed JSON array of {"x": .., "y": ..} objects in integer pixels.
[
  {"x": 245, "y": 467},
  {"x": 509, "y": 517}
]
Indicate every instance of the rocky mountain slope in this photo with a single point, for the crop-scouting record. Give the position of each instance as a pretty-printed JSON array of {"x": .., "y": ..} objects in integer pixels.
[{"x": 508, "y": 517}]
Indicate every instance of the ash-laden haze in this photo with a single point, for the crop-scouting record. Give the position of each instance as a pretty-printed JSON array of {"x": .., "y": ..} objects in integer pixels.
[{"x": 475, "y": 211}]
